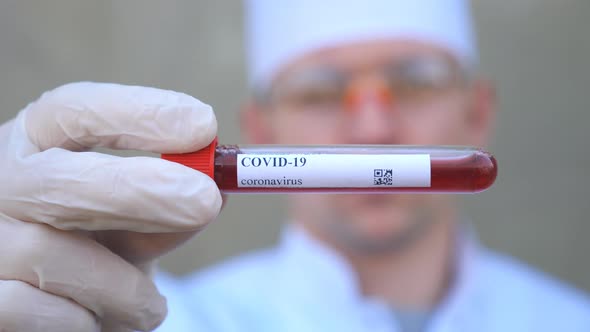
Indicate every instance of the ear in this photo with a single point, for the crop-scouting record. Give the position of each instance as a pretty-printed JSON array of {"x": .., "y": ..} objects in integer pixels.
[
  {"x": 481, "y": 117},
  {"x": 255, "y": 123}
]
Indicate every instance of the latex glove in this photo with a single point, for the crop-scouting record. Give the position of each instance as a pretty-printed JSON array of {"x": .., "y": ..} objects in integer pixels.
[{"x": 70, "y": 255}]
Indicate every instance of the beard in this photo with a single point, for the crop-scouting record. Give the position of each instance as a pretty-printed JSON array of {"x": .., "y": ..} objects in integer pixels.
[
  {"x": 371, "y": 225},
  {"x": 350, "y": 238}
]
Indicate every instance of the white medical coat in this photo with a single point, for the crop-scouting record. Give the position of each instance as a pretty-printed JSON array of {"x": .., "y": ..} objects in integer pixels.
[{"x": 303, "y": 286}]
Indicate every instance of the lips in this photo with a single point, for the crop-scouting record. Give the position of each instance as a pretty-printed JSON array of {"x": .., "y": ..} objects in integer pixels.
[{"x": 375, "y": 201}]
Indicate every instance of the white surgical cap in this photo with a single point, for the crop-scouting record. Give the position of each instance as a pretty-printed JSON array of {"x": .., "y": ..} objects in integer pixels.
[{"x": 279, "y": 31}]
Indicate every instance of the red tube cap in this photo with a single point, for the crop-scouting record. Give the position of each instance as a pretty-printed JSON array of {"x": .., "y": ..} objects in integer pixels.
[{"x": 202, "y": 160}]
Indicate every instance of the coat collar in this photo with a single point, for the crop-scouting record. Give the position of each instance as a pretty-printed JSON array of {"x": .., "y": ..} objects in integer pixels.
[{"x": 314, "y": 268}]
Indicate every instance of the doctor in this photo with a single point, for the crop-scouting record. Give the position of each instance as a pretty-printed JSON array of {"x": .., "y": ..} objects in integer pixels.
[
  {"x": 80, "y": 231},
  {"x": 370, "y": 72}
]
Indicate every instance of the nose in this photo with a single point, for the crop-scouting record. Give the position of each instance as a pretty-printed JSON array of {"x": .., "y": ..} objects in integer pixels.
[{"x": 370, "y": 105}]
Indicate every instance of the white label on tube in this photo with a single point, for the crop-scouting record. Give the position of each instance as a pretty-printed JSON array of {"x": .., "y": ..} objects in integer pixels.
[{"x": 333, "y": 170}]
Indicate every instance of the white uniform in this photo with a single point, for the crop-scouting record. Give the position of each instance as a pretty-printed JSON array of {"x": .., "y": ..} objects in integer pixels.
[{"x": 303, "y": 286}]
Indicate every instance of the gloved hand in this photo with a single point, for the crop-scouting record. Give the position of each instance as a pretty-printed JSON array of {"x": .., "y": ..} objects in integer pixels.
[{"x": 80, "y": 230}]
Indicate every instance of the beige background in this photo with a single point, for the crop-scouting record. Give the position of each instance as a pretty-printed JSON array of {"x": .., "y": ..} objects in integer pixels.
[{"x": 538, "y": 52}]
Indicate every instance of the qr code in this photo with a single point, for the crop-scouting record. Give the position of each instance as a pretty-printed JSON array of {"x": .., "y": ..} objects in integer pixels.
[{"x": 383, "y": 177}]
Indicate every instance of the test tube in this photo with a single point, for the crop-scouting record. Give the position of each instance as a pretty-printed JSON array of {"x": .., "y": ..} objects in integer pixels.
[{"x": 343, "y": 168}]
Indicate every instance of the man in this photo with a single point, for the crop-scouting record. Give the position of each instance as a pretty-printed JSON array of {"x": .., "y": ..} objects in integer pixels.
[
  {"x": 371, "y": 72},
  {"x": 79, "y": 231}
]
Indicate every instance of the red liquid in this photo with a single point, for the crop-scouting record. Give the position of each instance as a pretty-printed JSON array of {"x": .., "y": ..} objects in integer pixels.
[{"x": 452, "y": 173}]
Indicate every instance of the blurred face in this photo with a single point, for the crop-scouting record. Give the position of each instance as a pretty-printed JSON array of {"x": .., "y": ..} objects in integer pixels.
[{"x": 379, "y": 92}]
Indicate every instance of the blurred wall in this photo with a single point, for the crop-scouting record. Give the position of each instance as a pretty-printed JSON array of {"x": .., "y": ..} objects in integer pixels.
[{"x": 537, "y": 52}]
